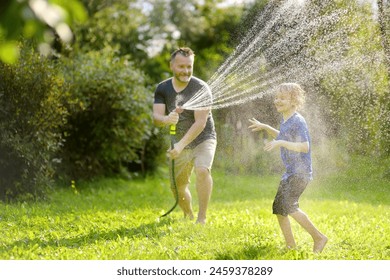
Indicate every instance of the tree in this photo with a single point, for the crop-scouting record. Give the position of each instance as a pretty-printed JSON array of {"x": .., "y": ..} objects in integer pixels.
[
  {"x": 202, "y": 25},
  {"x": 118, "y": 25},
  {"x": 31, "y": 117}
]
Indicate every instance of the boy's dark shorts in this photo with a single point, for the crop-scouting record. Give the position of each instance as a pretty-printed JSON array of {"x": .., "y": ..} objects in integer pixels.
[{"x": 289, "y": 191}]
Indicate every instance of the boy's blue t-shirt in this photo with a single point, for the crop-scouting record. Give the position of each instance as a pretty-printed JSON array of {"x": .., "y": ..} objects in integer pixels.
[{"x": 295, "y": 130}]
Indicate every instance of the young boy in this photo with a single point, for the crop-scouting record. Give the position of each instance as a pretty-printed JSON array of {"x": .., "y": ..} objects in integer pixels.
[{"x": 294, "y": 142}]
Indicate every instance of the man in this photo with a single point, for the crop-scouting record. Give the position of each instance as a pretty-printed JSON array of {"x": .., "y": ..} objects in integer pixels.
[{"x": 196, "y": 137}]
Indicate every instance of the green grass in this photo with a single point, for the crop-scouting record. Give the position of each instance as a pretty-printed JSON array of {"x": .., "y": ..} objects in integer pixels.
[{"x": 119, "y": 219}]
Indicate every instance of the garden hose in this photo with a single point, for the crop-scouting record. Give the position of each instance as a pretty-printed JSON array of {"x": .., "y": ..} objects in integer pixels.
[{"x": 172, "y": 132}]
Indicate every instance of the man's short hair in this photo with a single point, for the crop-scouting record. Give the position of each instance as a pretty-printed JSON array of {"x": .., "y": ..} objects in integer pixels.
[{"x": 185, "y": 51}]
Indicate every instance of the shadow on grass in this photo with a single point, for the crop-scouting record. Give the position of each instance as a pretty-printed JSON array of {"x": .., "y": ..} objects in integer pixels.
[
  {"x": 265, "y": 252},
  {"x": 252, "y": 252},
  {"x": 145, "y": 230}
]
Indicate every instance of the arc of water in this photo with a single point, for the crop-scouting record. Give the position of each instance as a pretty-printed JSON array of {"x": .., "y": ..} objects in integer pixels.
[{"x": 245, "y": 74}]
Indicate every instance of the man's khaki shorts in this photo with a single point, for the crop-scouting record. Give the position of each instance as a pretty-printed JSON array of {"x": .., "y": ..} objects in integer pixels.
[{"x": 200, "y": 156}]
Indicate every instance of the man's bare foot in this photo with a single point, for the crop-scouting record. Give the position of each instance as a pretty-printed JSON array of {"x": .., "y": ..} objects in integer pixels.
[
  {"x": 201, "y": 221},
  {"x": 319, "y": 244},
  {"x": 189, "y": 216}
]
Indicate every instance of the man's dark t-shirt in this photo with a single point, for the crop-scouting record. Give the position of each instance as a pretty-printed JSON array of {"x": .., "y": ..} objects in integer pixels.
[{"x": 166, "y": 94}]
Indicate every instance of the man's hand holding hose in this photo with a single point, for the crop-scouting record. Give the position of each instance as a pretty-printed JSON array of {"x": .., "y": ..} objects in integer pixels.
[{"x": 172, "y": 120}]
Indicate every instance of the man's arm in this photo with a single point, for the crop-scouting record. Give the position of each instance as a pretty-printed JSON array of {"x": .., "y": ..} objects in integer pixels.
[{"x": 196, "y": 128}]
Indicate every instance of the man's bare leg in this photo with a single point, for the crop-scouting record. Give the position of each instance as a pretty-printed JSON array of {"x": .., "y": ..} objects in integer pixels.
[
  {"x": 204, "y": 186},
  {"x": 185, "y": 201}
]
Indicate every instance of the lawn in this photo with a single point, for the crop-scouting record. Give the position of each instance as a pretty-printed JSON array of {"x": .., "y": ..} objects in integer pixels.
[{"x": 118, "y": 219}]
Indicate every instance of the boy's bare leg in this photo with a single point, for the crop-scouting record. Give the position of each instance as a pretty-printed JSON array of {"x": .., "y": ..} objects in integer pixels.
[
  {"x": 204, "y": 186},
  {"x": 285, "y": 226},
  {"x": 320, "y": 239}
]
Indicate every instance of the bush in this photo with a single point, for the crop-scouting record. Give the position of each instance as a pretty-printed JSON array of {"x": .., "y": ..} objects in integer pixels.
[
  {"x": 110, "y": 115},
  {"x": 31, "y": 115}
]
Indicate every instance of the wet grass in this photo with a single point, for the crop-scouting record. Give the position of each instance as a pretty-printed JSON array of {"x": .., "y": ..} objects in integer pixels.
[{"x": 119, "y": 219}]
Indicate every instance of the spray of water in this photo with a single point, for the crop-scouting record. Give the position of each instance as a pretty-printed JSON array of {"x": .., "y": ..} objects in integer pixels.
[{"x": 276, "y": 49}]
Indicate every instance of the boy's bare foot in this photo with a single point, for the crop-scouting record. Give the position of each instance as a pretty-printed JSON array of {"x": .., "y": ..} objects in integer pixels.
[
  {"x": 288, "y": 249},
  {"x": 319, "y": 244}
]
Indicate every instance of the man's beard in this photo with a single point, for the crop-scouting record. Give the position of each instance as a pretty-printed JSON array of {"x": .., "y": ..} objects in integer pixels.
[{"x": 183, "y": 78}]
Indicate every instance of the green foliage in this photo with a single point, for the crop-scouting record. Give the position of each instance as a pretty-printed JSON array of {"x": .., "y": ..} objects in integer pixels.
[
  {"x": 31, "y": 115},
  {"x": 207, "y": 29},
  {"x": 42, "y": 21},
  {"x": 116, "y": 219},
  {"x": 110, "y": 120},
  {"x": 156, "y": 29},
  {"x": 109, "y": 26}
]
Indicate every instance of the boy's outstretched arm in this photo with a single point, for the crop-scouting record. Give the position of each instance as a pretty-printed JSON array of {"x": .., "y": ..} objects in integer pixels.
[
  {"x": 258, "y": 126},
  {"x": 300, "y": 147}
]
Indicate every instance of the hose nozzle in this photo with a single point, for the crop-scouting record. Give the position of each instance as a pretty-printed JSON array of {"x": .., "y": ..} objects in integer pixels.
[{"x": 172, "y": 129}]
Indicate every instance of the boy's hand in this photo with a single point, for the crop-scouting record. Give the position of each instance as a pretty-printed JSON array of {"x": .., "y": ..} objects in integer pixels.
[
  {"x": 271, "y": 145},
  {"x": 256, "y": 125}
]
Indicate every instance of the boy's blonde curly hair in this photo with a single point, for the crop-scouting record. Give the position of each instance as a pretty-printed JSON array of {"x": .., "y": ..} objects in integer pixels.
[{"x": 296, "y": 92}]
